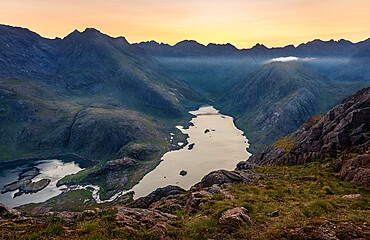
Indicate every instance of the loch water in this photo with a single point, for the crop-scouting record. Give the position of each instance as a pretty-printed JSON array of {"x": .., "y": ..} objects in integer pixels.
[
  {"x": 53, "y": 169},
  {"x": 216, "y": 144}
]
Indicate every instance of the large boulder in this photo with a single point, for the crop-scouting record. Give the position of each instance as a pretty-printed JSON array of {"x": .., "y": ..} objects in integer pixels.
[
  {"x": 210, "y": 185},
  {"x": 156, "y": 195}
]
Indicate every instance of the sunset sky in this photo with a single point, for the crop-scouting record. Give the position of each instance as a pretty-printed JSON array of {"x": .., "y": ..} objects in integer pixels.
[{"x": 240, "y": 22}]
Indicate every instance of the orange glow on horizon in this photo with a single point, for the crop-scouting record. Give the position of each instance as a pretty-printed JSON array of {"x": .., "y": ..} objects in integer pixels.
[{"x": 242, "y": 23}]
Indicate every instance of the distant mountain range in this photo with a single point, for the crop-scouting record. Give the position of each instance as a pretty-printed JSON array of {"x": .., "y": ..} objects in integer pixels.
[{"x": 316, "y": 47}]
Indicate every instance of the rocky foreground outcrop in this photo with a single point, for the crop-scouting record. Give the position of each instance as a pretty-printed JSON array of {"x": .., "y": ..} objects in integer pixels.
[
  {"x": 211, "y": 184},
  {"x": 344, "y": 129}
]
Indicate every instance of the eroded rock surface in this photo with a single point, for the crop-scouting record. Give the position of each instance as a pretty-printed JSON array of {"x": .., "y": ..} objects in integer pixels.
[
  {"x": 343, "y": 129},
  {"x": 156, "y": 195},
  {"x": 6, "y": 211},
  {"x": 354, "y": 169},
  {"x": 238, "y": 214},
  {"x": 149, "y": 219}
]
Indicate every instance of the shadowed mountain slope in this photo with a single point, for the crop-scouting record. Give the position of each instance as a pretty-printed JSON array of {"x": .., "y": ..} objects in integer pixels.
[
  {"x": 87, "y": 93},
  {"x": 278, "y": 98}
]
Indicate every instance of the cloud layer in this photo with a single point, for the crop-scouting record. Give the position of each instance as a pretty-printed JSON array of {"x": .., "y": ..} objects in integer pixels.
[{"x": 289, "y": 59}]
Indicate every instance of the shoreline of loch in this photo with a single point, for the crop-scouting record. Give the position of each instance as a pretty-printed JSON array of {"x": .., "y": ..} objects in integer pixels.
[{"x": 68, "y": 155}]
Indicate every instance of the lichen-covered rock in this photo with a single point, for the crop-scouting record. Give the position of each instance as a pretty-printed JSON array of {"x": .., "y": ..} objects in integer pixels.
[
  {"x": 239, "y": 214},
  {"x": 352, "y": 196},
  {"x": 210, "y": 185},
  {"x": 220, "y": 177},
  {"x": 149, "y": 219}
]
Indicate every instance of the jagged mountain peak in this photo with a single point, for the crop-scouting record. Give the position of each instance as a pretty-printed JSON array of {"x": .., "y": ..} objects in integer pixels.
[
  {"x": 259, "y": 46},
  {"x": 188, "y": 43},
  {"x": 92, "y": 33}
]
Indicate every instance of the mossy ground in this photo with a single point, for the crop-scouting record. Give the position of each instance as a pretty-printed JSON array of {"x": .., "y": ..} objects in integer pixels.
[
  {"x": 285, "y": 143},
  {"x": 303, "y": 205}
]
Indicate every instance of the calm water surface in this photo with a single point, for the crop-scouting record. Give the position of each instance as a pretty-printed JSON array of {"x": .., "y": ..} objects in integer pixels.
[
  {"x": 53, "y": 169},
  {"x": 220, "y": 148}
]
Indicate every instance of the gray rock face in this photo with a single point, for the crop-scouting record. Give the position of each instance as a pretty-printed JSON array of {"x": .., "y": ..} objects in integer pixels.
[
  {"x": 139, "y": 151},
  {"x": 245, "y": 165},
  {"x": 345, "y": 128},
  {"x": 149, "y": 218},
  {"x": 120, "y": 163},
  {"x": 145, "y": 202}
]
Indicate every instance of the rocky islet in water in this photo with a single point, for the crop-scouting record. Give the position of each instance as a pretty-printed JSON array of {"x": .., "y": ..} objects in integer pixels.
[
  {"x": 25, "y": 185},
  {"x": 26, "y": 181}
]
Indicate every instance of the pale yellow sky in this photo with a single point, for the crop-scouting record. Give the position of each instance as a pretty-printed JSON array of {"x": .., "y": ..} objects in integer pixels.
[{"x": 240, "y": 22}]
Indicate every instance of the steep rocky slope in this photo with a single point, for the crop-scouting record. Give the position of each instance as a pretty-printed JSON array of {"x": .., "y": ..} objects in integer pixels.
[{"x": 344, "y": 129}]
